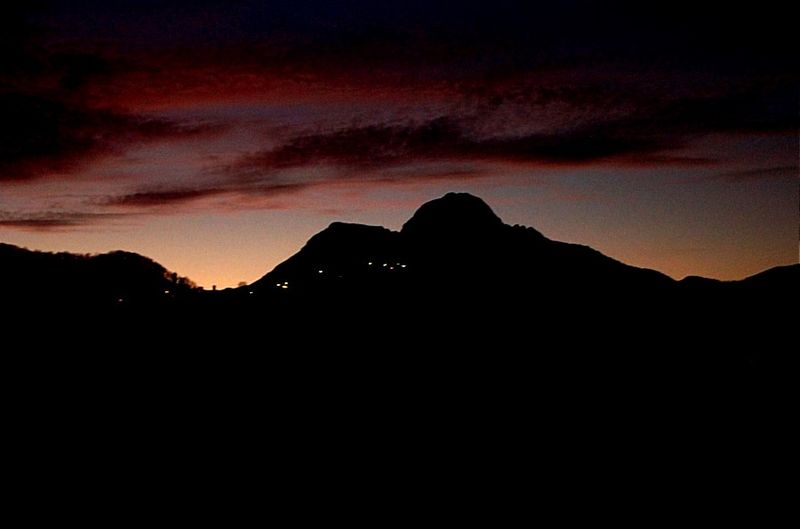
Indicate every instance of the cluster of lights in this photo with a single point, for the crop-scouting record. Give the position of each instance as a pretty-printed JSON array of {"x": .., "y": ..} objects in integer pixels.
[
  {"x": 285, "y": 284},
  {"x": 390, "y": 266}
]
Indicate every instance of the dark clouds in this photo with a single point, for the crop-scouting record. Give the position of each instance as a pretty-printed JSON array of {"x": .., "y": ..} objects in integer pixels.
[
  {"x": 51, "y": 122},
  {"x": 437, "y": 39},
  {"x": 649, "y": 132},
  {"x": 568, "y": 83},
  {"x": 162, "y": 197},
  {"x": 40, "y": 136},
  {"x": 442, "y": 138},
  {"x": 471, "y": 44},
  {"x": 54, "y": 220},
  {"x": 783, "y": 172},
  {"x": 156, "y": 198}
]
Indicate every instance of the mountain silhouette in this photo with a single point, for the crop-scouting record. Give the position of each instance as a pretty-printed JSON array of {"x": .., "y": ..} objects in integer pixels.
[
  {"x": 456, "y": 323},
  {"x": 454, "y": 246},
  {"x": 455, "y": 278},
  {"x": 453, "y": 215},
  {"x": 45, "y": 281},
  {"x": 454, "y": 258}
]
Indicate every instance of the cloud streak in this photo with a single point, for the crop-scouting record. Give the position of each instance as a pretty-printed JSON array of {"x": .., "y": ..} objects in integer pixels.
[
  {"x": 386, "y": 145},
  {"x": 145, "y": 199},
  {"x": 53, "y": 220},
  {"x": 762, "y": 173},
  {"x": 552, "y": 126},
  {"x": 175, "y": 196},
  {"x": 41, "y": 136}
]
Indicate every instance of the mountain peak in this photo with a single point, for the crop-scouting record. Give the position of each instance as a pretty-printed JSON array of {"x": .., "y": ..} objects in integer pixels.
[
  {"x": 344, "y": 237},
  {"x": 452, "y": 213}
]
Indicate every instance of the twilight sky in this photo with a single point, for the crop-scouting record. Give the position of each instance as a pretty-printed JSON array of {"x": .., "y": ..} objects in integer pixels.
[{"x": 217, "y": 137}]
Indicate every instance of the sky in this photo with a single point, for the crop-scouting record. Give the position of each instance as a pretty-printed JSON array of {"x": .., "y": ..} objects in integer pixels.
[{"x": 217, "y": 137}]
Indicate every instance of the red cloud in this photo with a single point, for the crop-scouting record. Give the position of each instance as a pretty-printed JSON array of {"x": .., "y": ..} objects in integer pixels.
[{"x": 44, "y": 135}]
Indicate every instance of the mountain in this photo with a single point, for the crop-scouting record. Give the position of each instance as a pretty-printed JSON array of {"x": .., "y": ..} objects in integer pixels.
[
  {"x": 780, "y": 279},
  {"x": 457, "y": 322},
  {"x": 454, "y": 258},
  {"x": 453, "y": 215},
  {"x": 454, "y": 246},
  {"x": 53, "y": 281},
  {"x": 456, "y": 277}
]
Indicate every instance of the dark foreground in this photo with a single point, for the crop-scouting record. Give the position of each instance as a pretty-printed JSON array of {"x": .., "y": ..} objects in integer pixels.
[{"x": 491, "y": 341}]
